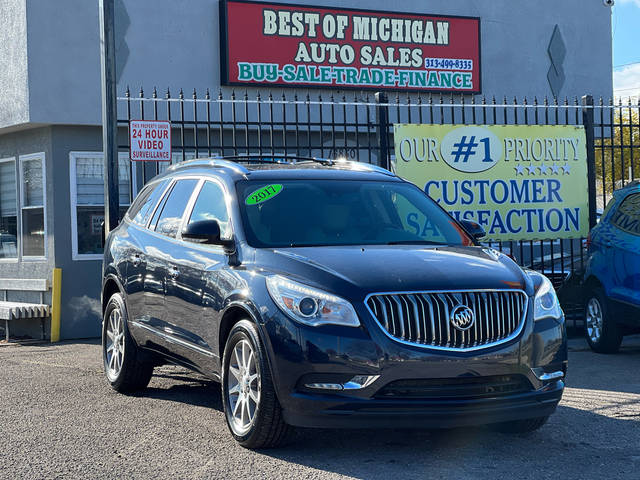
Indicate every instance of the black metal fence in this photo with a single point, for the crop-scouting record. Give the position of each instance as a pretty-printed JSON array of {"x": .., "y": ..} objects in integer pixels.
[{"x": 360, "y": 127}]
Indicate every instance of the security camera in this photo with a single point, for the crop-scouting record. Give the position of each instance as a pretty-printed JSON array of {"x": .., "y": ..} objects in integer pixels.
[{"x": 609, "y": 3}]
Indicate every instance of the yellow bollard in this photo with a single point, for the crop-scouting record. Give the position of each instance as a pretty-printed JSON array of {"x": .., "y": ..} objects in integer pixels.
[{"x": 56, "y": 291}]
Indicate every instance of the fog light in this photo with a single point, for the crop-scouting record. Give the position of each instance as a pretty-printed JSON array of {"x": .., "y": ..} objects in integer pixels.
[
  {"x": 360, "y": 381},
  {"x": 324, "y": 386},
  {"x": 547, "y": 377},
  {"x": 356, "y": 383}
]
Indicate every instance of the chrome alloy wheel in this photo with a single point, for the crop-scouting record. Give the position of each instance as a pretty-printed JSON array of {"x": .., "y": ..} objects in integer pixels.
[
  {"x": 243, "y": 387},
  {"x": 114, "y": 348},
  {"x": 594, "y": 320}
]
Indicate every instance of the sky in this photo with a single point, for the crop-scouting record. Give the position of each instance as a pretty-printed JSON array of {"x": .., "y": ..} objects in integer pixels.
[{"x": 626, "y": 48}]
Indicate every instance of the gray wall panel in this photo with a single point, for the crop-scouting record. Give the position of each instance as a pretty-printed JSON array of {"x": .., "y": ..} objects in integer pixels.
[
  {"x": 14, "y": 101},
  {"x": 169, "y": 43}
]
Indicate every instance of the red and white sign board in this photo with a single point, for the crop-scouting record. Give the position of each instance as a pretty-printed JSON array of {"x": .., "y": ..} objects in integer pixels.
[{"x": 150, "y": 141}]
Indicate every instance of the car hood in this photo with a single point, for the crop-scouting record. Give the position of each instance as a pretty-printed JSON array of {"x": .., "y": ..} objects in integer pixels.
[{"x": 364, "y": 270}]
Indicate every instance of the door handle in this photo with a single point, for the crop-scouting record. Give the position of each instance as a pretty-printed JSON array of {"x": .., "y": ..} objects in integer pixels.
[
  {"x": 174, "y": 273},
  {"x": 136, "y": 259}
]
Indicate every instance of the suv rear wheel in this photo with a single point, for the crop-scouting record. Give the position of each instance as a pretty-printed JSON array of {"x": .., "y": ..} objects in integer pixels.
[
  {"x": 251, "y": 408},
  {"x": 126, "y": 367},
  {"x": 600, "y": 328}
]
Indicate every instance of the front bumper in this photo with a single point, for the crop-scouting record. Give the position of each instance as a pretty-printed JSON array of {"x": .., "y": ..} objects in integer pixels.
[
  {"x": 301, "y": 355},
  {"x": 325, "y": 411}
]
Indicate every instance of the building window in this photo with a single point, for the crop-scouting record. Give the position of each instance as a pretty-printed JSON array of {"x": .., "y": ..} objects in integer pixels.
[
  {"x": 8, "y": 209},
  {"x": 32, "y": 176},
  {"x": 87, "y": 200}
]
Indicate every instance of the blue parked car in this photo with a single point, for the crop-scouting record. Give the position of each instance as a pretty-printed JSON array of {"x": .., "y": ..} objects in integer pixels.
[{"x": 612, "y": 276}]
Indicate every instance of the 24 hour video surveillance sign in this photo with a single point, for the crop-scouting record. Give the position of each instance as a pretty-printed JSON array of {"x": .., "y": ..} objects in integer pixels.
[
  {"x": 519, "y": 182},
  {"x": 289, "y": 45}
]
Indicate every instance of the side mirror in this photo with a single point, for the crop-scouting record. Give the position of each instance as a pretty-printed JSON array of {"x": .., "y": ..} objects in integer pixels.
[
  {"x": 206, "y": 232},
  {"x": 103, "y": 236},
  {"x": 474, "y": 229}
]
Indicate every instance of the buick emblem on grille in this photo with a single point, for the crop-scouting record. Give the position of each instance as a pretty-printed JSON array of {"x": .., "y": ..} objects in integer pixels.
[{"x": 462, "y": 318}]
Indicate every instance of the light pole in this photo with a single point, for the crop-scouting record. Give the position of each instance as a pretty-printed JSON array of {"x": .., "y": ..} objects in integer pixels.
[{"x": 109, "y": 114}]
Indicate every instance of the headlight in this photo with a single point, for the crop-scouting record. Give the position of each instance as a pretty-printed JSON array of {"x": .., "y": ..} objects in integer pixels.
[
  {"x": 545, "y": 302},
  {"x": 309, "y": 305}
]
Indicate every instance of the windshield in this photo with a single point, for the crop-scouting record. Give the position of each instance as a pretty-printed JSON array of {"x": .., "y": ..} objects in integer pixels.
[{"x": 299, "y": 213}]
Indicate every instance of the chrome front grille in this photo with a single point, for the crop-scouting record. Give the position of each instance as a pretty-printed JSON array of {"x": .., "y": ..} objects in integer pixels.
[{"x": 424, "y": 318}]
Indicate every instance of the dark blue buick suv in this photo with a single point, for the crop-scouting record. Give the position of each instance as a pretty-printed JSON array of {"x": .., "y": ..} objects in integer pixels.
[{"x": 326, "y": 293}]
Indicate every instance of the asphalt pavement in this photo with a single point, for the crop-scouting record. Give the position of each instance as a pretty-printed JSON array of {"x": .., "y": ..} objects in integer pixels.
[{"x": 60, "y": 419}]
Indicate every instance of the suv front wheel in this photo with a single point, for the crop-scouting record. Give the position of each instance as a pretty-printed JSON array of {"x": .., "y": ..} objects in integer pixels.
[
  {"x": 600, "y": 328},
  {"x": 251, "y": 407},
  {"x": 127, "y": 368}
]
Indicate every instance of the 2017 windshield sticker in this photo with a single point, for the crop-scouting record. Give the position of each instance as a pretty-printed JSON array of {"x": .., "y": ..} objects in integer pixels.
[{"x": 263, "y": 194}]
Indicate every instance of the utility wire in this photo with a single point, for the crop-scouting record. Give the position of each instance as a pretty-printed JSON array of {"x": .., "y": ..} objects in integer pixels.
[{"x": 626, "y": 64}]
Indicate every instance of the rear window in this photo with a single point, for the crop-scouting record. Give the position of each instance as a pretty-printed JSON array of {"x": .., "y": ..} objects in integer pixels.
[
  {"x": 627, "y": 216},
  {"x": 142, "y": 206}
]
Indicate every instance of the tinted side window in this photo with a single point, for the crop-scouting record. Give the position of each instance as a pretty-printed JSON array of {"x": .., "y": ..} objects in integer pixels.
[
  {"x": 171, "y": 216},
  {"x": 211, "y": 205},
  {"x": 144, "y": 203},
  {"x": 627, "y": 217}
]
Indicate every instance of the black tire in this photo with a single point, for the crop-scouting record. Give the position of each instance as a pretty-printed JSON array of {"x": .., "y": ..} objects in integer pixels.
[
  {"x": 136, "y": 368},
  {"x": 267, "y": 428},
  {"x": 526, "y": 425},
  {"x": 608, "y": 337}
]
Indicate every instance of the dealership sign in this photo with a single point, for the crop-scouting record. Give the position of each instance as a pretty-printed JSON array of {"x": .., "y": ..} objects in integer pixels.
[
  {"x": 150, "y": 141},
  {"x": 519, "y": 182},
  {"x": 295, "y": 45}
]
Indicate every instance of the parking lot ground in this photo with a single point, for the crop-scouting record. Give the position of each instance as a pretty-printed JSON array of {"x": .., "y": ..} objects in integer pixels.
[{"x": 60, "y": 419}]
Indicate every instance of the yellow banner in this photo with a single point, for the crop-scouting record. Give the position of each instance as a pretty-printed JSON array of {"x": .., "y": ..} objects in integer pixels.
[{"x": 519, "y": 182}]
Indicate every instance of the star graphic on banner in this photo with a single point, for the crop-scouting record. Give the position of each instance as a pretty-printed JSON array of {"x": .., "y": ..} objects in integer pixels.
[
  {"x": 566, "y": 168},
  {"x": 532, "y": 169},
  {"x": 519, "y": 169},
  {"x": 543, "y": 169},
  {"x": 555, "y": 169}
]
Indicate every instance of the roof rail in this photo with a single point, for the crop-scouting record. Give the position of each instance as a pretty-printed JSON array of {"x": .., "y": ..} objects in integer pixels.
[
  {"x": 231, "y": 162},
  {"x": 365, "y": 167},
  {"x": 211, "y": 162},
  {"x": 277, "y": 158}
]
